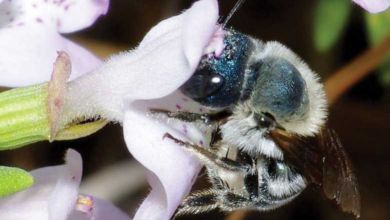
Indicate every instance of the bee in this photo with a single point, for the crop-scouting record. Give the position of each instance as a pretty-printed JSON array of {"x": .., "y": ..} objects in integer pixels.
[{"x": 270, "y": 141}]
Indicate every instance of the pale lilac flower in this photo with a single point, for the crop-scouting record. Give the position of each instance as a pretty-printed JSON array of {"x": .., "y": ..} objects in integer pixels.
[
  {"x": 30, "y": 36},
  {"x": 164, "y": 60},
  {"x": 374, "y": 6},
  {"x": 125, "y": 87},
  {"x": 54, "y": 196}
]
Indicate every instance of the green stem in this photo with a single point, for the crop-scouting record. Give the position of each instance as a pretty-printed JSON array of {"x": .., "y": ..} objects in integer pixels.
[{"x": 23, "y": 116}]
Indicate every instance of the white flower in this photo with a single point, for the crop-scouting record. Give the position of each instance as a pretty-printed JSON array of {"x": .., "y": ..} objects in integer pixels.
[
  {"x": 127, "y": 85},
  {"x": 374, "y": 6},
  {"x": 30, "y": 37},
  {"x": 131, "y": 83},
  {"x": 54, "y": 196}
]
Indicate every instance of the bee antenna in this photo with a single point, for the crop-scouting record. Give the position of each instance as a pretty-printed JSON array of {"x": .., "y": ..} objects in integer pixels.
[{"x": 232, "y": 12}]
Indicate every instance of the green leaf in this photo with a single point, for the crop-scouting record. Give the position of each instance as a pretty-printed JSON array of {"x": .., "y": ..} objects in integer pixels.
[
  {"x": 378, "y": 28},
  {"x": 331, "y": 16},
  {"x": 384, "y": 76},
  {"x": 13, "y": 180}
]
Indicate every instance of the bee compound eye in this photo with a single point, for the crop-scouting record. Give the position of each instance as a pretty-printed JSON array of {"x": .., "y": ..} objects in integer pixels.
[
  {"x": 202, "y": 84},
  {"x": 218, "y": 81}
]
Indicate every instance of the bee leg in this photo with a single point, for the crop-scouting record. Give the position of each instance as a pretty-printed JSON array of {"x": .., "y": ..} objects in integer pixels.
[
  {"x": 252, "y": 185},
  {"x": 232, "y": 201},
  {"x": 199, "y": 202},
  {"x": 184, "y": 116},
  {"x": 206, "y": 118},
  {"x": 209, "y": 158}
]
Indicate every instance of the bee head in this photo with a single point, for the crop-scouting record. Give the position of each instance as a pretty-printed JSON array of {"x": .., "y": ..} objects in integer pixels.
[
  {"x": 278, "y": 87},
  {"x": 218, "y": 81}
]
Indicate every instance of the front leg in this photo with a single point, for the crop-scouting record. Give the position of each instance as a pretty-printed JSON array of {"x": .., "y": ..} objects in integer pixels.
[
  {"x": 199, "y": 202},
  {"x": 208, "y": 119},
  {"x": 210, "y": 159}
]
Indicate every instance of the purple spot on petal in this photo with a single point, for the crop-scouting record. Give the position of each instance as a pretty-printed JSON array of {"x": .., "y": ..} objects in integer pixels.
[
  {"x": 73, "y": 177},
  {"x": 201, "y": 142},
  {"x": 185, "y": 130},
  {"x": 185, "y": 99},
  {"x": 201, "y": 109},
  {"x": 66, "y": 7},
  {"x": 39, "y": 20},
  {"x": 58, "y": 23},
  {"x": 34, "y": 5},
  {"x": 20, "y": 24},
  {"x": 178, "y": 106}
]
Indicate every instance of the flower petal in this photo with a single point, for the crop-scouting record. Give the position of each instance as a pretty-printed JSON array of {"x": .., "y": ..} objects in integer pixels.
[
  {"x": 168, "y": 58},
  {"x": 50, "y": 182},
  {"x": 31, "y": 51},
  {"x": 63, "y": 16},
  {"x": 104, "y": 210},
  {"x": 81, "y": 14},
  {"x": 200, "y": 26},
  {"x": 373, "y": 6},
  {"x": 163, "y": 28},
  {"x": 173, "y": 170},
  {"x": 63, "y": 197},
  {"x": 157, "y": 68}
]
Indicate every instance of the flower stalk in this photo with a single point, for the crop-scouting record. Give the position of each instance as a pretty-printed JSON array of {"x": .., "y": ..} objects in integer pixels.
[{"x": 35, "y": 113}]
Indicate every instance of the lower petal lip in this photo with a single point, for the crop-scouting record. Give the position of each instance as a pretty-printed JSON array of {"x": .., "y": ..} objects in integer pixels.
[{"x": 373, "y": 6}]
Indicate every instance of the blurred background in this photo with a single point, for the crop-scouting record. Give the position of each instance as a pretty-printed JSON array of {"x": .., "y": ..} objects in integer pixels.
[{"x": 327, "y": 34}]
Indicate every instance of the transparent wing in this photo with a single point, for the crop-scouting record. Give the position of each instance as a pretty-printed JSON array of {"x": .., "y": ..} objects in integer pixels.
[{"x": 324, "y": 162}]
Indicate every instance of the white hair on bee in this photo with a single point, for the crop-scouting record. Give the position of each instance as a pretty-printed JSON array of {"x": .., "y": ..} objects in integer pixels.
[
  {"x": 281, "y": 187},
  {"x": 238, "y": 131},
  {"x": 316, "y": 115}
]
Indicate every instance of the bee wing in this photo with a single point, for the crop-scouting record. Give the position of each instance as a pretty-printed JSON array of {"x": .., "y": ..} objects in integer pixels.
[
  {"x": 324, "y": 162},
  {"x": 339, "y": 180}
]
